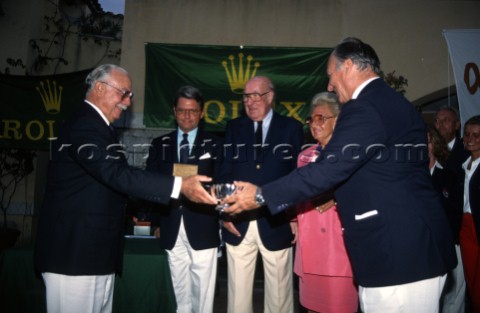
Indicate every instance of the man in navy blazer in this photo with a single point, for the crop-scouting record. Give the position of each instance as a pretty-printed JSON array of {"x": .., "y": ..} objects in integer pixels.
[
  {"x": 189, "y": 231},
  {"x": 79, "y": 244},
  {"x": 260, "y": 147},
  {"x": 447, "y": 122},
  {"x": 395, "y": 229},
  {"x": 448, "y": 125}
]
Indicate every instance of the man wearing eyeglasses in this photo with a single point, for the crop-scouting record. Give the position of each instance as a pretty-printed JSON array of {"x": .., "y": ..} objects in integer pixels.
[
  {"x": 79, "y": 244},
  {"x": 260, "y": 147},
  {"x": 189, "y": 231}
]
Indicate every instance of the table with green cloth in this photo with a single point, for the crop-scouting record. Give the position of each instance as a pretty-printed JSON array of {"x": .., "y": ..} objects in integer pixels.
[{"x": 144, "y": 286}]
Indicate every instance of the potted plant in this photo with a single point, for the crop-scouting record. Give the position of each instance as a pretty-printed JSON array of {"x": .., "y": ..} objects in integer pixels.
[{"x": 15, "y": 164}]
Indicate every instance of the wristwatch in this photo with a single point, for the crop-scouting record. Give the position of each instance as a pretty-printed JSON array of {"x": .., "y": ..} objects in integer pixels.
[{"x": 259, "y": 200}]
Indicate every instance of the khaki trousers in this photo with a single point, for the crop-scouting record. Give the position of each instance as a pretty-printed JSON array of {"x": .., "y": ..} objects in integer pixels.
[{"x": 278, "y": 270}]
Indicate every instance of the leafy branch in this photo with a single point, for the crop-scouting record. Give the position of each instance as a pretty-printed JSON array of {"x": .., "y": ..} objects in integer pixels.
[
  {"x": 59, "y": 28},
  {"x": 15, "y": 165},
  {"x": 396, "y": 82}
]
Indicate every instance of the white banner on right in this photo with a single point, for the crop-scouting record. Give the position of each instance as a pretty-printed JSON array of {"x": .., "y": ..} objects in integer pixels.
[{"x": 464, "y": 50}]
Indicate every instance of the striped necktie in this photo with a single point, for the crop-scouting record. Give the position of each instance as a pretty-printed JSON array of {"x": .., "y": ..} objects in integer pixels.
[{"x": 184, "y": 149}]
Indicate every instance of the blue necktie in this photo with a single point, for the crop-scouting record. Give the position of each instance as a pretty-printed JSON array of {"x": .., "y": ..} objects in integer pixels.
[
  {"x": 259, "y": 133},
  {"x": 258, "y": 144},
  {"x": 184, "y": 149}
]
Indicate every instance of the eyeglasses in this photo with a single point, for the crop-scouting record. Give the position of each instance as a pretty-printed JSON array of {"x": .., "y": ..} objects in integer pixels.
[
  {"x": 317, "y": 119},
  {"x": 444, "y": 120},
  {"x": 125, "y": 93},
  {"x": 185, "y": 111},
  {"x": 254, "y": 96}
]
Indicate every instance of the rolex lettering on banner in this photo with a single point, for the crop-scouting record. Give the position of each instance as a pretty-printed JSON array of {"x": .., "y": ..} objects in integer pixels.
[
  {"x": 221, "y": 73},
  {"x": 32, "y": 107},
  {"x": 464, "y": 51}
]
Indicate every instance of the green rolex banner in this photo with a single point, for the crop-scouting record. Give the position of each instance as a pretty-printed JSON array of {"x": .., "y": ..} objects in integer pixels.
[
  {"x": 32, "y": 107},
  {"x": 220, "y": 72}
]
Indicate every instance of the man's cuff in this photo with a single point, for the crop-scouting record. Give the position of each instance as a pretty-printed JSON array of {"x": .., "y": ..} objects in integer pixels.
[{"x": 177, "y": 187}]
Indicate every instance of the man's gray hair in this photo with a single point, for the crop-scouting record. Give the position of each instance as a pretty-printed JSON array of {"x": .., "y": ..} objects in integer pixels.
[{"x": 101, "y": 72}]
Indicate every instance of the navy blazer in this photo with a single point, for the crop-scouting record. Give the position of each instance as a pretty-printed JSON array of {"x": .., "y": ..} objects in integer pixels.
[
  {"x": 445, "y": 184},
  {"x": 454, "y": 163},
  {"x": 82, "y": 219},
  {"x": 458, "y": 155},
  {"x": 242, "y": 161},
  {"x": 201, "y": 221},
  {"x": 395, "y": 229}
]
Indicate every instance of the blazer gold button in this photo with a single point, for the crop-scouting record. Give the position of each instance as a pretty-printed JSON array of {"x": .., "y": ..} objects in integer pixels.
[{"x": 258, "y": 166}]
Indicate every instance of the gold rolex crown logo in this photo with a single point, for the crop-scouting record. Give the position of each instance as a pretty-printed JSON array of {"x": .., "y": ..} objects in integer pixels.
[
  {"x": 237, "y": 79},
  {"x": 51, "y": 96}
]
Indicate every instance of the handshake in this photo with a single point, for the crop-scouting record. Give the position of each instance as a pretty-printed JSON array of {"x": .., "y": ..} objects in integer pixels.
[{"x": 229, "y": 198}]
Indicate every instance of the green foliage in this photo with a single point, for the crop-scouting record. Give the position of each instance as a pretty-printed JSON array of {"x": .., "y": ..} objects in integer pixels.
[
  {"x": 96, "y": 28},
  {"x": 396, "y": 82},
  {"x": 15, "y": 165},
  {"x": 50, "y": 49},
  {"x": 14, "y": 63}
]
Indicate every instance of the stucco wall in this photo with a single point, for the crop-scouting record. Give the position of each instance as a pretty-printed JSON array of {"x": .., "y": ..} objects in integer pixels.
[{"x": 407, "y": 35}]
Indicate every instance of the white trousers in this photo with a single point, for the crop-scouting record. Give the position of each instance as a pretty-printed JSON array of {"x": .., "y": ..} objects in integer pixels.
[
  {"x": 194, "y": 275},
  {"x": 418, "y": 297},
  {"x": 453, "y": 300},
  {"x": 79, "y": 294},
  {"x": 278, "y": 269}
]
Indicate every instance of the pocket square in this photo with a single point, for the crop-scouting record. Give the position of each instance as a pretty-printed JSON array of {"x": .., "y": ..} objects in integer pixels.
[
  {"x": 365, "y": 215},
  {"x": 205, "y": 156}
]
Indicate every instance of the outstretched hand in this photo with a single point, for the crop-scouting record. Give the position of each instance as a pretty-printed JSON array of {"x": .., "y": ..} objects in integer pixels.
[
  {"x": 241, "y": 200},
  {"x": 193, "y": 189}
]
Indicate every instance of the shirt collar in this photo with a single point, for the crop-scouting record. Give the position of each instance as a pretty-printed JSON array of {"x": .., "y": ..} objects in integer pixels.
[
  {"x": 436, "y": 165},
  {"x": 362, "y": 85},
  {"x": 474, "y": 164},
  {"x": 451, "y": 144},
  {"x": 99, "y": 112},
  {"x": 267, "y": 119},
  {"x": 191, "y": 135}
]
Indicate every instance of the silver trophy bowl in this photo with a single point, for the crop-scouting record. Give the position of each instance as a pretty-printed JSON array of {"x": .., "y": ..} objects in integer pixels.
[{"x": 221, "y": 191}]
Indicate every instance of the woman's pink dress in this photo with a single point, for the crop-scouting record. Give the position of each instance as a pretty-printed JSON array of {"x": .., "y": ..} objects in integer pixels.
[{"x": 321, "y": 261}]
